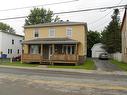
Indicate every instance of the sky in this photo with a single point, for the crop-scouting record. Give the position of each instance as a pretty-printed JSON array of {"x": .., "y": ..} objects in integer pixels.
[{"x": 96, "y": 20}]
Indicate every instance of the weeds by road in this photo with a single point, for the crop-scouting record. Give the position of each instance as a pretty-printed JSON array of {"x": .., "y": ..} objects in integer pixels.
[{"x": 121, "y": 65}]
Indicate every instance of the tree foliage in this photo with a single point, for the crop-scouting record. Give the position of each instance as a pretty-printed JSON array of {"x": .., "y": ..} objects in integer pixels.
[
  {"x": 6, "y": 28},
  {"x": 93, "y": 37},
  {"x": 111, "y": 36},
  {"x": 40, "y": 15}
]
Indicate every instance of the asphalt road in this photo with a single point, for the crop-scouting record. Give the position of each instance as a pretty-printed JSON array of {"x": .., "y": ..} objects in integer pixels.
[
  {"x": 105, "y": 65},
  {"x": 45, "y": 82}
]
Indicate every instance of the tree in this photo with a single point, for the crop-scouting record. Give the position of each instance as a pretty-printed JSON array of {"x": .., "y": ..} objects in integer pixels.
[
  {"x": 93, "y": 37},
  {"x": 6, "y": 28},
  {"x": 111, "y": 36},
  {"x": 40, "y": 15}
]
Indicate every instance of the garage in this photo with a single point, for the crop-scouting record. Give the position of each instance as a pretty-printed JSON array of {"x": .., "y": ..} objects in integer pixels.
[{"x": 97, "y": 50}]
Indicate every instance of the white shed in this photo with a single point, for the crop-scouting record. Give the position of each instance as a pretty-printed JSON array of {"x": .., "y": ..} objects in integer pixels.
[{"x": 97, "y": 50}]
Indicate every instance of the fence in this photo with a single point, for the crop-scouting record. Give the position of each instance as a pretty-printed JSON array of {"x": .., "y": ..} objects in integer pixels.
[{"x": 117, "y": 56}]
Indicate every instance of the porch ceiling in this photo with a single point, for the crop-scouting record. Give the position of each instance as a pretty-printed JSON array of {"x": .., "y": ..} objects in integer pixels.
[{"x": 51, "y": 41}]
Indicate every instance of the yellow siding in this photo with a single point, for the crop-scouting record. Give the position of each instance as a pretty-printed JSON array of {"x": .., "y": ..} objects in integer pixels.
[
  {"x": 25, "y": 48},
  {"x": 78, "y": 33}
]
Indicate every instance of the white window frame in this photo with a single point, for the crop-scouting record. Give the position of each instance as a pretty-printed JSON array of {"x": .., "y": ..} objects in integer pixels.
[
  {"x": 69, "y": 32},
  {"x": 66, "y": 49},
  {"x": 53, "y": 32},
  {"x": 36, "y": 30},
  {"x": 125, "y": 50}
]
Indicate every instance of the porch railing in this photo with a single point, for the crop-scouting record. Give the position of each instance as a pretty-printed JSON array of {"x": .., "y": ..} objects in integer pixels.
[
  {"x": 55, "y": 57},
  {"x": 31, "y": 58},
  {"x": 64, "y": 57}
]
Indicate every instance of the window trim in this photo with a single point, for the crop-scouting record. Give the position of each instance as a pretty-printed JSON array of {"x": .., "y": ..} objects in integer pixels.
[
  {"x": 49, "y": 34},
  {"x": 36, "y": 30},
  {"x": 70, "y": 34}
]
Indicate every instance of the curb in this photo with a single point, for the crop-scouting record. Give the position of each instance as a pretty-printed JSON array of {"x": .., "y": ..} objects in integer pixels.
[{"x": 69, "y": 70}]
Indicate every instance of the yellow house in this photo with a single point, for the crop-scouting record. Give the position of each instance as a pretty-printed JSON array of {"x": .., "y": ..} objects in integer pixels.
[
  {"x": 124, "y": 37},
  {"x": 60, "y": 42}
]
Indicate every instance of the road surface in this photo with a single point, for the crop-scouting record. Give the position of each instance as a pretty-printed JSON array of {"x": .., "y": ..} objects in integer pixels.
[{"x": 46, "y": 82}]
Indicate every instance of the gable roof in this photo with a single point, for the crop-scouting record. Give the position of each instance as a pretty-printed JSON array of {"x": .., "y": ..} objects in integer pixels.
[
  {"x": 125, "y": 14},
  {"x": 97, "y": 45},
  {"x": 51, "y": 41},
  {"x": 12, "y": 33},
  {"x": 55, "y": 24}
]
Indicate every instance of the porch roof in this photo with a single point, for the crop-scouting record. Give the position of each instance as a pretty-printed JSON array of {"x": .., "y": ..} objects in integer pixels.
[{"x": 51, "y": 41}]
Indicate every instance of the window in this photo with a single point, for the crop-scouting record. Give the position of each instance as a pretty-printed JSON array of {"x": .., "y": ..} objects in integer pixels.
[
  {"x": 69, "y": 32},
  {"x": 9, "y": 51},
  {"x": 12, "y": 41},
  {"x": 35, "y": 49},
  {"x": 36, "y": 32},
  {"x": 125, "y": 50},
  {"x": 18, "y": 51},
  {"x": 20, "y": 41},
  {"x": 68, "y": 49},
  {"x": 51, "y": 32}
]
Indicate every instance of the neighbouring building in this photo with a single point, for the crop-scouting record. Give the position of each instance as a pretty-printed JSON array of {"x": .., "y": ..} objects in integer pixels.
[
  {"x": 60, "y": 42},
  {"x": 97, "y": 50},
  {"x": 124, "y": 37},
  {"x": 10, "y": 44}
]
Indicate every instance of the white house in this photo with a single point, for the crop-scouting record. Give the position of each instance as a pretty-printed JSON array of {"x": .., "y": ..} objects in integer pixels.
[
  {"x": 97, "y": 50},
  {"x": 10, "y": 44}
]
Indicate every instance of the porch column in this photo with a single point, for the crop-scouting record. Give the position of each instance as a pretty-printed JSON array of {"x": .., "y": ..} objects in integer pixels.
[
  {"x": 76, "y": 51},
  {"x": 41, "y": 49},
  {"x": 53, "y": 48}
]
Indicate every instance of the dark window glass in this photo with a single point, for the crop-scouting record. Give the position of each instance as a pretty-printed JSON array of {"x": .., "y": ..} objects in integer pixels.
[{"x": 12, "y": 41}]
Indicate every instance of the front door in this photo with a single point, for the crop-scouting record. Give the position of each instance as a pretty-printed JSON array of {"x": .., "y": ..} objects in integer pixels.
[{"x": 47, "y": 51}]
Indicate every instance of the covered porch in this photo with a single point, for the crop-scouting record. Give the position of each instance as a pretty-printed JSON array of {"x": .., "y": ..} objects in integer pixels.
[{"x": 51, "y": 50}]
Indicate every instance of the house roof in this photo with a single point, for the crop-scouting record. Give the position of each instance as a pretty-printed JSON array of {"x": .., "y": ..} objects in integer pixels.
[
  {"x": 97, "y": 45},
  {"x": 12, "y": 33},
  {"x": 123, "y": 18},
  {"x": 55, "y": 24},
  {"x": 51, "y": 41}
]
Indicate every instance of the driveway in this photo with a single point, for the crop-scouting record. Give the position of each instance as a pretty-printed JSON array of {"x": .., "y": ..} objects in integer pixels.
[{"x": 105, "y": 65}]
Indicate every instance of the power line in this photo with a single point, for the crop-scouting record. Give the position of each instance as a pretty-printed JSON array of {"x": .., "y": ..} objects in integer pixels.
[
  {"x": 67, "y": 12},
  {"x": 104, "y": 15},
  {"x": 92, "y": 9},
  {"x": 39, "y": 5},
  {"x": 120, "y": 2}
]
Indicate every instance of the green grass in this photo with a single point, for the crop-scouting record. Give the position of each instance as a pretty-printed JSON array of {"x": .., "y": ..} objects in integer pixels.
[
  {"x": 121, "y": 65},
  {"x": 19, "y": 64},
  {"x": 88, "y": 64}
]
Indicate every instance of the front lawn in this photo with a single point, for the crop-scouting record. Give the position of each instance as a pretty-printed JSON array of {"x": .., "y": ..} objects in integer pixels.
[
  {"x": 121, "y": 65},
  {"x": 19, "y": 64},
  {"x": 88, "y": 64}
]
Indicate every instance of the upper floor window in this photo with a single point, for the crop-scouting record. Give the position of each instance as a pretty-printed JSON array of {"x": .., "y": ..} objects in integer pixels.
[
  {"x": 51, "y": 32},
  {"x": 12, "y": 41},
  {"x": 36, "y": 32},
  {"x": 20, "y": 41},
  {"x": 18, "y": 51},
  {"x": 69, "y": 32}
]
